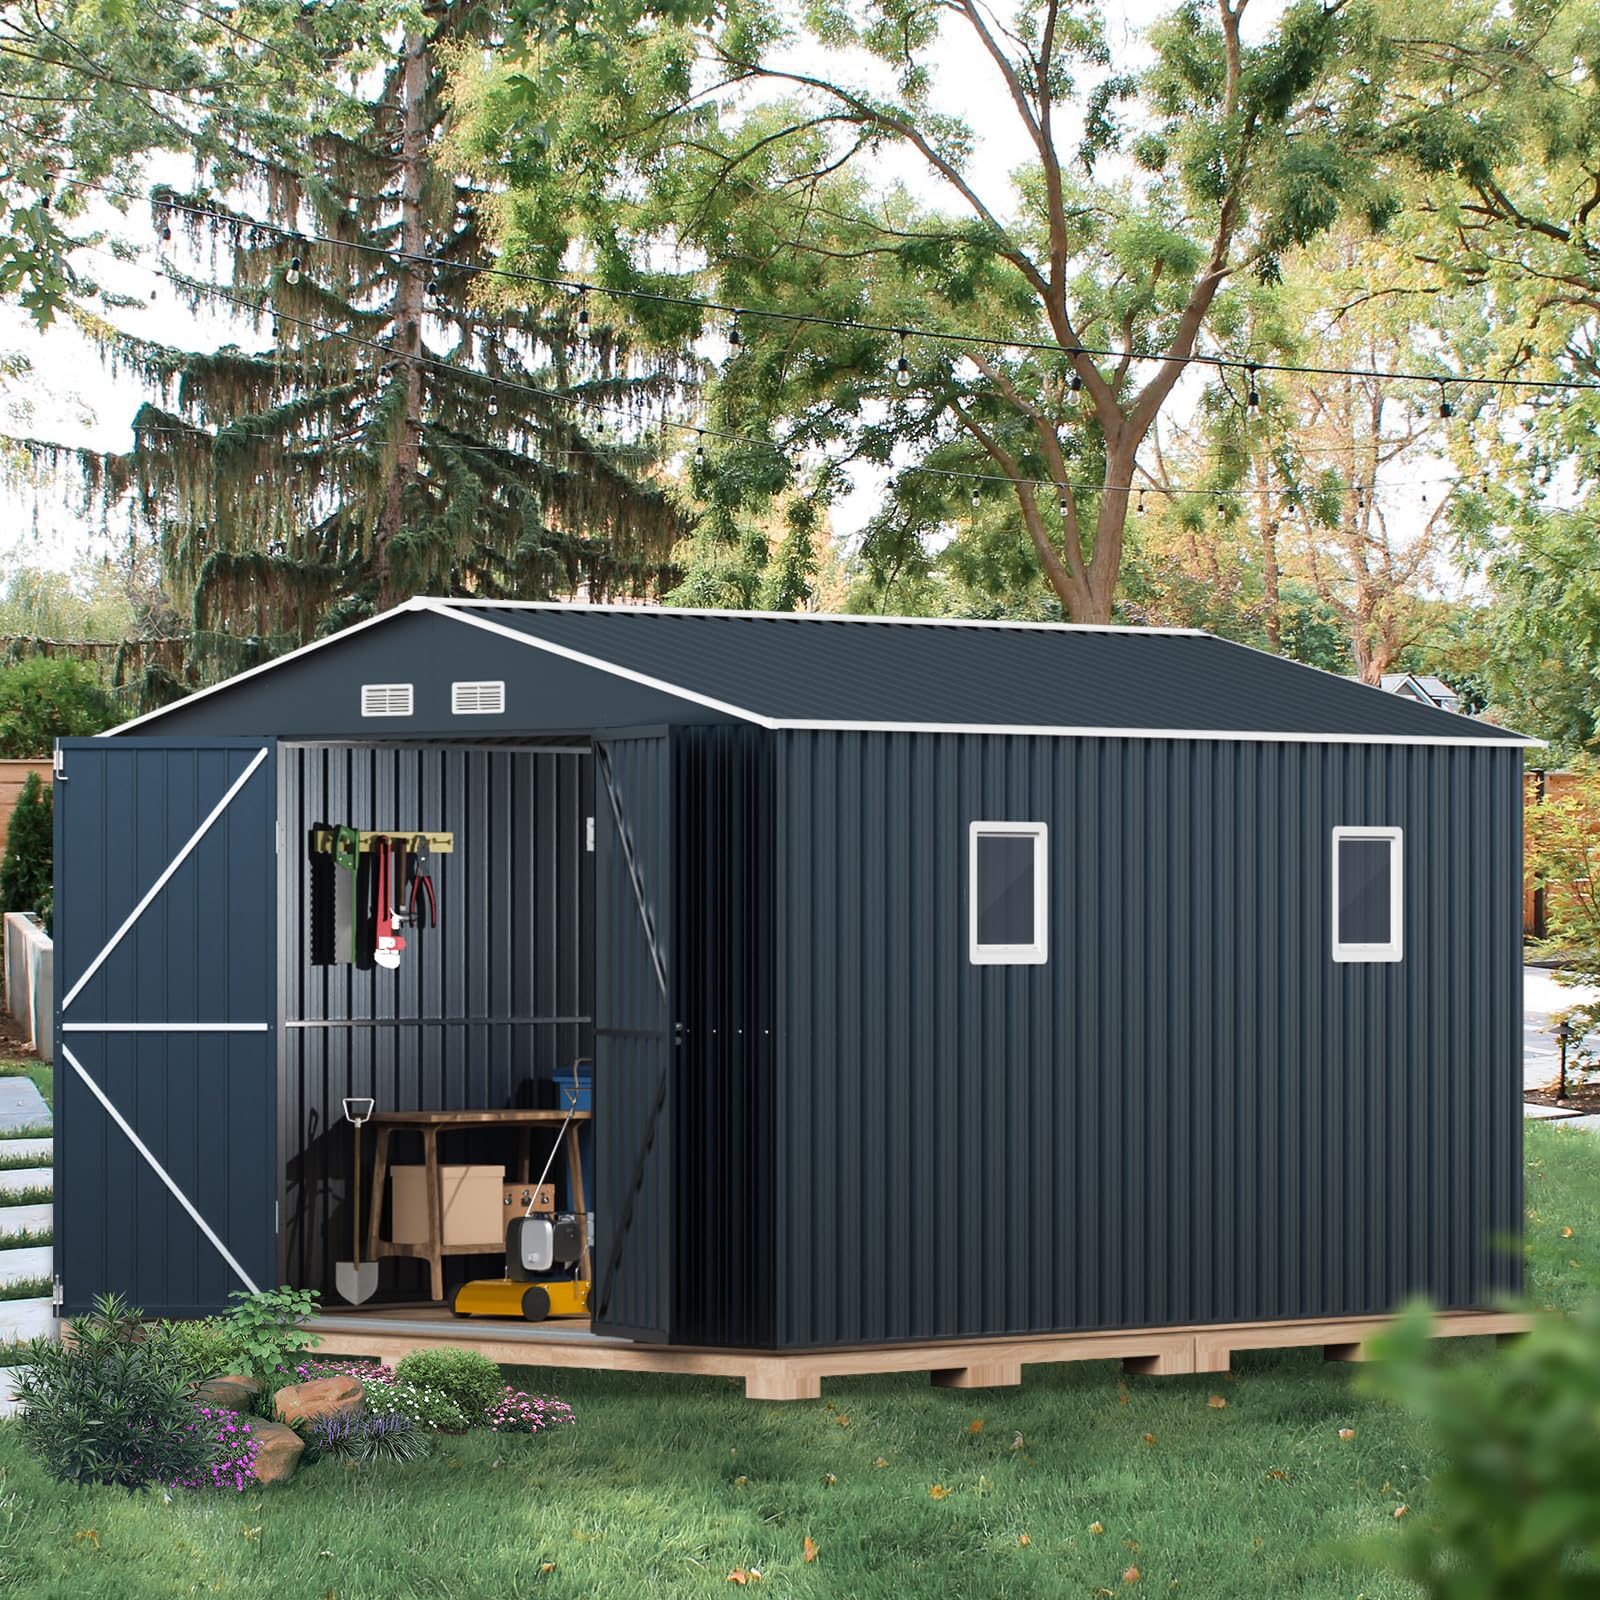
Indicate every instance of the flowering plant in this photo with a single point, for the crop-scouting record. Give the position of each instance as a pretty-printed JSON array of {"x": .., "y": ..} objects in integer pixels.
[
  {"x": 233, "y": 1451},
  {"x": 313, "y": 1367},
  {"x": 512, "y": 1411},
  {"x": 425, "y": 1405}
]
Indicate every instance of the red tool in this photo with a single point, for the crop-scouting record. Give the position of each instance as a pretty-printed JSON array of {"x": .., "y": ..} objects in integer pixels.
[
  {"x": 421, "y": 881},
  {"x": 389, "y": 943}
]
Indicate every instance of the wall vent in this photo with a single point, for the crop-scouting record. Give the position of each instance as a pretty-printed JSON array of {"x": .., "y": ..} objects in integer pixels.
[
  {"x": 386, "y": 699},
  {"x": 478, "y": 699}
]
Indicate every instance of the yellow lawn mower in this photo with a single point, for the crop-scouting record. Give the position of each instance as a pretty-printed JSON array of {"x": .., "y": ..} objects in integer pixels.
[{"x": 536, "y": 1247}]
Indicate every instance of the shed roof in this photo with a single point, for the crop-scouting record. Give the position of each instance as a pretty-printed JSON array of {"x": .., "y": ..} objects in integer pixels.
[{"x": 805, "y": 670}]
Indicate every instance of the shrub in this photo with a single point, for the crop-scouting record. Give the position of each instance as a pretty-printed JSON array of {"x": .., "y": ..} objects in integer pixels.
[
  {"x": 265, "y": 1328},
  {"x": 470, "y": 1381},
  {"x": 512, "y": 1411},
  {"x": 420, "y": 1403},
  {"x": 1512, "y": 1512},
  {"x": 25, "y": 868},
  {"x": 206, "y": 1347},
  {"x": 113, "y": 1406},
  {"x": 232, "y": 1447},
  {"x": 366, "y": 1435},
  {"x": 48, "y": 698},
  {"x": 314, "y": 1367}
]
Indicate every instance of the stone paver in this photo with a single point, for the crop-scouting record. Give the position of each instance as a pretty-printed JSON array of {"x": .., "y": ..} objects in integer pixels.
[
  {"x": 25, "y": 1178},
  {"x": 21, "y": 1104},
  {"x": 20, "y": 1219},
  {"x": 33, "y": 1261},
  {"x": 42, "y": 1150}
]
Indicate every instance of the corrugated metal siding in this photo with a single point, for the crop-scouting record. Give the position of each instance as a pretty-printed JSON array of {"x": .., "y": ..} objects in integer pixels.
[
  {"x": 1190, "y": 1114},
  {"x": 726, "y": 1124},
  {"x": 201, "y": 952},
  {"x": 483, "y": 1011},
  {"x": 635, "y": 1056}
]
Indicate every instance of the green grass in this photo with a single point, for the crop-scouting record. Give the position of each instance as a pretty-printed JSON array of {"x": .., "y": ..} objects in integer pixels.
[
  {"x": 24, "y": 1238},
  {"x": 665, "y": 1485},
  {"x": 25, "y": 1289},
  {"x": 35, "y": 1194},
  {"x": 20, "y": 1162},
  {"x": 40, "y": 1071}
]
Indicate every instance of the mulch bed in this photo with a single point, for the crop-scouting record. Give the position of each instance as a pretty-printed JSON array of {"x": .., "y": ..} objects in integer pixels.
[{"x": 1581, "y": 1097}]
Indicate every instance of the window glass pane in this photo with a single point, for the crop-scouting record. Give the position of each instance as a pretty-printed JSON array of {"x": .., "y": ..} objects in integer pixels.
[
  {"x": 1364, "y": 868},
  {"x": 1005, "y": 888}
]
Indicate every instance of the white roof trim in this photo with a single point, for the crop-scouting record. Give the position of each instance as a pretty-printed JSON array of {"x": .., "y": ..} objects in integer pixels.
[
  {"x": 444, "y": 609},
  {"x": 265, "y": 666},
  {"x": 457, "y": 610},
  {"x": 815, "y": 616}
]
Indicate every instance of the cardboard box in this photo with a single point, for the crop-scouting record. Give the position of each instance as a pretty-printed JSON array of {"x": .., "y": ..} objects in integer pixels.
[
  {"x": 516, "y": 1199},
  {"x": 473, "y": 1208}
]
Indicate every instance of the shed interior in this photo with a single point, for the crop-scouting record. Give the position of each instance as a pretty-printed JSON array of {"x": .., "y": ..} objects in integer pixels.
[{"x": 484, "y": 1011}]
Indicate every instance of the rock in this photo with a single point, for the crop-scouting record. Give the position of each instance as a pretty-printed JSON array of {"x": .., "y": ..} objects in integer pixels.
[
  {"x": 300, "y": 1401},
  {"x": 278, "y": 1450},
  {"x": 233, "y": 1390}
]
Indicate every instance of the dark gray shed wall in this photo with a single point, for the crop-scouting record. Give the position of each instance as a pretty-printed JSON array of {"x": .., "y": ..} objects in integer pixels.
[{"x": 1190, "y": 1114}]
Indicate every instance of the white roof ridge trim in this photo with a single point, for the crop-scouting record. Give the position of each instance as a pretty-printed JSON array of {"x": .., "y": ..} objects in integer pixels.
[{"x": 614, "y": 609}]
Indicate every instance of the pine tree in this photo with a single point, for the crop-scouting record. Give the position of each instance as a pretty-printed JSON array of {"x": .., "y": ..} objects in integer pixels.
[
  {"x": 392, "y": 427},
  {"x": 25, "y": 869}
]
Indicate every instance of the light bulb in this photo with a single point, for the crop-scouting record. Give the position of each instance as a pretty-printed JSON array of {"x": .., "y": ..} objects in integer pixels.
[
  {"x": 1074, "y": 389},
  {"x": 902, "y": 373},
  {"x": 734, "y": 339}
]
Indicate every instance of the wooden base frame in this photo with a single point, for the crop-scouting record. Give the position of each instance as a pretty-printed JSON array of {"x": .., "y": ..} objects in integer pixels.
[{"x": 798, "y": 1374}]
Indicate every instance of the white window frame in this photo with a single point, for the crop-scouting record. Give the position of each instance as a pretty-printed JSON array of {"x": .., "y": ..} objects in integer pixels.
[
  {"x": 1394, "y": 950},
  {"x": 1011, "y": 955}
]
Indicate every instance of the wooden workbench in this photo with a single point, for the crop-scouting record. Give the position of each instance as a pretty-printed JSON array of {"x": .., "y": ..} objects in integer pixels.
[{"x": 430, "y": 1124}]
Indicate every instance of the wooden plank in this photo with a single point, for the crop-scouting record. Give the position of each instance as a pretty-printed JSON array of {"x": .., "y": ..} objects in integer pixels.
[{"x": 799, "y": 1374}]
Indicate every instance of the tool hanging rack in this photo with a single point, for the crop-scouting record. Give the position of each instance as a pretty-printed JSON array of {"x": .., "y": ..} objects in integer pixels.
[{"x": 439, "y": 844}]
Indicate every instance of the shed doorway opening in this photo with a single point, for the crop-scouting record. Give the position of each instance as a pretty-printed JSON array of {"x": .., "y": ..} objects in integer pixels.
[{"x": 487, "y": 1011}]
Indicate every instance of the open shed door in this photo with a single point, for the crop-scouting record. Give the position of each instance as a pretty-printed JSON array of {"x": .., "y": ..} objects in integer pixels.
[
  {"x": 634, "y": 1039},
  {"x": 166, "y": 1177}
]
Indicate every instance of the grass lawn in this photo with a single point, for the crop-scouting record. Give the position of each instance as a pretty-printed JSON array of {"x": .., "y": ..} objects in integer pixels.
[
  {"x": 39, "y": 1071},
  {"x": 667, "y": 1485}
]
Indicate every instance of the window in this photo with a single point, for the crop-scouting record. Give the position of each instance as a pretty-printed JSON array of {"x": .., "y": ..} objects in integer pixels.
[
  {"x": 1008, "y": 892},
  {"x": 386, "y": 699},
  {"x": 1367, "y": 888}
]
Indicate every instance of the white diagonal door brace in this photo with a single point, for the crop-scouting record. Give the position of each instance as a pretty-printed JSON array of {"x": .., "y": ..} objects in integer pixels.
[
  {"x": 159, "y": 1170},
  {"x": 161, "y": 882}
]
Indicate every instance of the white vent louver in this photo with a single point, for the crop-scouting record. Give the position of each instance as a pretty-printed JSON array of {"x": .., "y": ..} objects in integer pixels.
[
  {"x": 386, "y": 699},
  {"x": 478, "y": 699}
]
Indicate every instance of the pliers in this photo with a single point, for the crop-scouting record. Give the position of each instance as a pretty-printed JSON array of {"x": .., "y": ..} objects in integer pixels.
[{"x": 420, "y": 880}]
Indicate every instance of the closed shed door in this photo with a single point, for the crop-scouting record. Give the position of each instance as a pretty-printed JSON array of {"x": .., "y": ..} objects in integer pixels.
[
  {"x": 634, "y": 1040},
  {"x": 165, "y": 930}
]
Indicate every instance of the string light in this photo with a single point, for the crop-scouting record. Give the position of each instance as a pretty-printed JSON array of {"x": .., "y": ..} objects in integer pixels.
[
  {"x": 699, "y": 454},
  {"x": 292, "y": 276},
  {"x": 735, "y": 341},
  {"x": 583, "y": 316},
  {"x": 557, "y": 397},
  {"x": 1074, "y": 383},
  {"x": 1446, "y": 410},
  {"x": 977, "y": 498},
  {"x": 902, "y": 367},
  {"x": 1253, "y": 399}
]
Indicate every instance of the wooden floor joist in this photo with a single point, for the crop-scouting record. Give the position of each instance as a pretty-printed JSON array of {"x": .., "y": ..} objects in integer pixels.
[{"x": 388, "y": 1334}]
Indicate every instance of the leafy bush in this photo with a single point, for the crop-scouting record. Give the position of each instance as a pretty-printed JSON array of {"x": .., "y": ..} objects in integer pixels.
[
  {"x": 232, "y": 1447},
  {"x": 47, "y": 698},
  {"x": 113, "y": 1406},
  {"x": 420, "y": 1403},
  {"x": 1513, "y": 1511},
  {"x": 366, "y": 1435},
  {"x": 207, "y": 1346},
  {"x": 512, "y": 1411},
  {"x": 1564, "y": 860},
  {"x": 469, "y": 1380},
  {"x": 265, "y": 1327},
  {"x": 30, "y": 848}
]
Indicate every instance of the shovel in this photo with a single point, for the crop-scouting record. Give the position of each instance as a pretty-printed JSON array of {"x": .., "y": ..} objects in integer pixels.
[{"x": 356, "y": 1280}]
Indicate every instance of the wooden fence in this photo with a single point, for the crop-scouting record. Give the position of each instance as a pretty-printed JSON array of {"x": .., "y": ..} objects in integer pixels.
[
  {"x": 1537, "y": 788},
  {"x": 13, "y": 774}
]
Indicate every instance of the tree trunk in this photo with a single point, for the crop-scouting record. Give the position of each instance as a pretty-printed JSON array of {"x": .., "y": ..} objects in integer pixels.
[{"x": 410, "y": 291}]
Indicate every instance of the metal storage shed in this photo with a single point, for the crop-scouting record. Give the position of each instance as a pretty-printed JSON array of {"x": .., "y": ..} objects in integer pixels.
[{"x": 944, "y": 979}]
